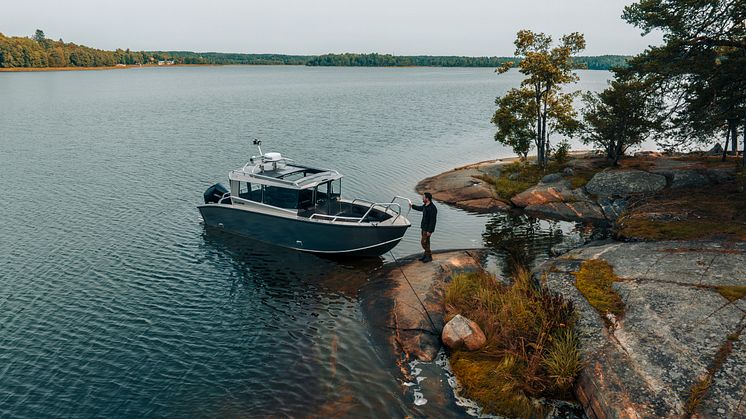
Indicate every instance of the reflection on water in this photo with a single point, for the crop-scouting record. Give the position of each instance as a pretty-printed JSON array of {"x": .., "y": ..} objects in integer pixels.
[
  {"x": 259, "y": 262},
  {"x": 519, "y": 240}
]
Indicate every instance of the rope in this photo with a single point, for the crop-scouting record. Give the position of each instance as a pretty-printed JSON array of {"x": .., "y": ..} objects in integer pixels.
[{"x": 435, "y": 329}]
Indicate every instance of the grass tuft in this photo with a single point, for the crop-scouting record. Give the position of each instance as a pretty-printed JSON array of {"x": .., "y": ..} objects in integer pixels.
[
  {"x": 594, "y": 280},
  {"x": 563, "y": 361},
  {"x": 531, "y": 349},
  {"x": 732, "y": 292}
]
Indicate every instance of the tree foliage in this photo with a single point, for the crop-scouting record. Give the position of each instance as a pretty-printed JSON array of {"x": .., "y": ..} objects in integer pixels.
[
  {"x": 623, "y": 115},
  {"x": 700, "y": 67},
  {"x": 539, "y": 106}
]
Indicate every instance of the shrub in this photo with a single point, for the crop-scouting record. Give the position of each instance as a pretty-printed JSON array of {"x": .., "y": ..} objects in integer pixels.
[
  {"x": 562, "y": 153},
  {"x": 530, "y": 342}
]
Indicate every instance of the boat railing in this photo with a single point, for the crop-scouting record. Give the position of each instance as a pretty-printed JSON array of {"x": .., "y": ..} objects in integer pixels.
[
  {"x": 359, "y": 220},
  {"x": 404, "y": 198}
]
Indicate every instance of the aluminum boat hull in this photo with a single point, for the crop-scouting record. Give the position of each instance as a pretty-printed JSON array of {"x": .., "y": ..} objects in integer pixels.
[{"x": 303, "y": 234}]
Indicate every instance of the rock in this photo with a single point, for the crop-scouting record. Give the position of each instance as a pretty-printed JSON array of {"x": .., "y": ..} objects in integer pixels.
[
  {"x": 612, "y": 208},
  {"x": 648, "y": 154},
  {"x": 552, "y": 178},
  {"x": 568, "y": 171},
  {"x": 494, "y": 170},
  {"x": 673, "y": 326},
  {"x": 542, "y": 194},
  {"x": 482, "y": 205},
  {"x": 393, "y": 310},
  {"x": 571, "y": 211},
  {"x": 721, "y": 175},
  {"x": 625, "y": 183},
  {"x": 716, "y": 149},
  {"x": 514, "y": 176},
  {"x": 689, "y": 179},
  {"x": 569, "y": 243},
  {"x": 462, "y": 332}
]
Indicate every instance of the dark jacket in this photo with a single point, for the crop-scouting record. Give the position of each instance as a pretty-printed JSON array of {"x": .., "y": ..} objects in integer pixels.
[{"x": 429, "y": 216}]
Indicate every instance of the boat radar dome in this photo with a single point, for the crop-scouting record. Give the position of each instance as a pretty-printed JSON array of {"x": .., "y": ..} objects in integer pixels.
[{"x": 272, "y": 157}]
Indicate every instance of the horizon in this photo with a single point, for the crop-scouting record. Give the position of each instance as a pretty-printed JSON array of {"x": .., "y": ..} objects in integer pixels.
[{"x": 291, "y": 27}]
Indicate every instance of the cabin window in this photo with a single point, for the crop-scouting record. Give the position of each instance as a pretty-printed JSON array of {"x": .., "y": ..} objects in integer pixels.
[
  {"x": 244, "y": 190},
  {"x": 281, "y": 197},
  {"x": 305, "y": 199},
  {"x": 322, "y": 195},
  {"x": 250, "y": 191},
  {"x": 336, "y": 189}
]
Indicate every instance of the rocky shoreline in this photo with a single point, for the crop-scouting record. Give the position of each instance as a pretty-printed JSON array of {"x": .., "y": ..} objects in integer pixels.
[
  {"x": 678, "y": 348},
  {"x": 602, "y": 199}
]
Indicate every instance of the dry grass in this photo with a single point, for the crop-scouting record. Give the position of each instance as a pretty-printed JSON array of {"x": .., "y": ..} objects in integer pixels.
[
  {"x": 531, "y": 350},
  {"x": 699, "y": 390},
  {"x": 686, "y": 214},
  {"x": 594, "y": 280}
]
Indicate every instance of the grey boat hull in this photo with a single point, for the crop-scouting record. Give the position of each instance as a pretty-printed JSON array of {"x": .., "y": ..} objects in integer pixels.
[{"x": 322, "y": 237}]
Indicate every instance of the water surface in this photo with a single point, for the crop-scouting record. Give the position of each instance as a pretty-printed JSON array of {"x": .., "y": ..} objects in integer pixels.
[{"x": 116, "y": 301}]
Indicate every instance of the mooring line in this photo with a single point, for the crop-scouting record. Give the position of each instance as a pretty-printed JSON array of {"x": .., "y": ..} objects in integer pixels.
[{"x": 435, "y": 329}]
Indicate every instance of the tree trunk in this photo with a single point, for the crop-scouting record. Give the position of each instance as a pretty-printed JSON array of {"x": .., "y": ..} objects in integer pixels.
[
  {"x": 744, "y": 141},
  {"x": 539, "y": 143},
  {"x": 617, "y": 152},
  {"x": 735, "y": 138},
  {"x": 544, "y": 132},
  {"x": 727, "y": 139}
]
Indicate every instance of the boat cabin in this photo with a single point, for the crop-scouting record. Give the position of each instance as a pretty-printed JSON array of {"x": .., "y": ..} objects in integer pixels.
[
  {"x": 306, "y": 191},
  {"x": 277, "y": 183}
]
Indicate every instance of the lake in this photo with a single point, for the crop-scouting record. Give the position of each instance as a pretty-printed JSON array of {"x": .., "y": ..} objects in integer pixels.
[{"x": 115, "y": 301}]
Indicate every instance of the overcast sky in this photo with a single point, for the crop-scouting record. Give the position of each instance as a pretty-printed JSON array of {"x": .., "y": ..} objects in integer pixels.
[{"x": 404, "y": 27}]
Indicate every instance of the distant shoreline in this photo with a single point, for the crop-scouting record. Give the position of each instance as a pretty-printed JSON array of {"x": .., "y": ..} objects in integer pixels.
[
  {"x": 134, "y": 66},
  {"x": 113, "y": 67}
]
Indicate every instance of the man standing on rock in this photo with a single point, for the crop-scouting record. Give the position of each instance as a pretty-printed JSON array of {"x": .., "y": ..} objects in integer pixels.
[{"x": 429, "y": 216}]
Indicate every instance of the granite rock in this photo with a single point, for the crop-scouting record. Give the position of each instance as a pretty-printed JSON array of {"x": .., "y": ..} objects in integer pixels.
[{"x": 625, "y": 183}]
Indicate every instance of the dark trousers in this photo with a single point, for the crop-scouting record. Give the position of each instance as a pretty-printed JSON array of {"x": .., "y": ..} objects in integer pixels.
[{"x": 425, "y": 242}]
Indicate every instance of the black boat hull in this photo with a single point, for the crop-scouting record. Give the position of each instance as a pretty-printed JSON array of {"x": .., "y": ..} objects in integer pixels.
[{"x": 303, "y": 234}]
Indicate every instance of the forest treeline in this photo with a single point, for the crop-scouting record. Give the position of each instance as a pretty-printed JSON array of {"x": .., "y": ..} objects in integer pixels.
[
  {"x": 603, "y": 62},
  {"x": 40, "y": 52}
]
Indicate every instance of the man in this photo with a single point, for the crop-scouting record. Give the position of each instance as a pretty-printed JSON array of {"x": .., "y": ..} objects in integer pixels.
[{"x": 429, "y": 216}]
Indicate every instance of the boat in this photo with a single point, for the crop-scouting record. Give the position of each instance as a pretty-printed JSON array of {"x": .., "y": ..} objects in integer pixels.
[{"x": 274, "y": 200}]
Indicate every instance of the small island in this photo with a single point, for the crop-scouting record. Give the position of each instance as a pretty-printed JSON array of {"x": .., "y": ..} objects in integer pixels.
[{"x": 648, "y": 323}]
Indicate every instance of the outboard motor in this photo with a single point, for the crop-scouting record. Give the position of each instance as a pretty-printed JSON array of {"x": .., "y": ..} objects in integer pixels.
[{"x": 214, "y": 193}]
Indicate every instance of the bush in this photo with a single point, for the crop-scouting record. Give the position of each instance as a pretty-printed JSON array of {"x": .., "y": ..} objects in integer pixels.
[
  {"x": 531, "y": 349},
  {"x": 562, "y": 153}
]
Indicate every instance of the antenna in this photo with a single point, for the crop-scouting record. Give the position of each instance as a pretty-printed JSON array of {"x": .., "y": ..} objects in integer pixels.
[{"x": 258, "y": 144}]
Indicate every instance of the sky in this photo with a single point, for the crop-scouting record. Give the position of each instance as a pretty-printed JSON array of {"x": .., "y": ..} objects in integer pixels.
[{"x": 401, "y": 27}]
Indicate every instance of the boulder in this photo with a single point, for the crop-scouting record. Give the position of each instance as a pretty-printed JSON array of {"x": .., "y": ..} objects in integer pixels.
[
  {"x": 462, "y": 332},
  {"x": 514, "y": 176},
  {"x": 572, "y": 211},
  {"x": 625, "y": 182},
  {"x": 543, "y": 193},
  {"x": 552, "y": 178},
  {"x": 612, "y": 208},
  {"x": 648, "y": 154},
  {"x": 568, "y": 171},
  {"x": 689, "y": 179},
  {"x": 722, "y": 175}
]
